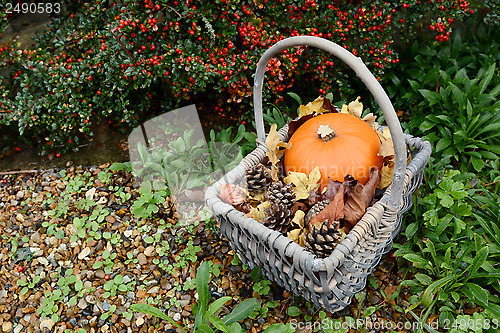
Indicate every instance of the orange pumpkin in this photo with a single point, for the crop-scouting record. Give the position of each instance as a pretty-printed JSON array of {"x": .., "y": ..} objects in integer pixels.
[{"x": 337, "y": 143}]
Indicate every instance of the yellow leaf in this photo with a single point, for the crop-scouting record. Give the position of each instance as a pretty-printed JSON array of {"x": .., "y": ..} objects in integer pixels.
[
  {"x": 356, "y": 107},
  {"x": 370, "y": 119},
  {"x": 386, "y": 148},
  {"x": 258, "y": 213},
  {"x": 303, "y": 184},
  {"x": 273, "y": 144},
  {"x": 386, "y": 175},
  {"x": 294, "y": 235},
  {"x": 298, "y": 218},
  {"x": 315, "y": 106}
]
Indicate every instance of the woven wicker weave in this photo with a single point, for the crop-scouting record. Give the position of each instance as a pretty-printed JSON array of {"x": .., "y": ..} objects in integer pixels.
[{"x": 331, "y": 282}]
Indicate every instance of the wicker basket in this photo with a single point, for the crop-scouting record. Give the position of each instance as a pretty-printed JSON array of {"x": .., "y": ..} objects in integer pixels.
[{"x": 331, "y": 282}]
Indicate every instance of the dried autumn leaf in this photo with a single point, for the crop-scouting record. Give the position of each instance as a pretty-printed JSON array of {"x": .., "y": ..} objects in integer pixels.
[
  {"x": 315, "y": 106},
  {"x": 386, "y": 175},
  {"x": 386, "y": 148},
  {"x": 274, "y": 153},
  {"x": 303, "y": 184},
  {"x": 257, "y": 213},
  {"x": 331, "y": 189},
  {"x": 333, "y": 212},
  {"x": 358, "y": 199},
  {"x": 298, "y": 219},
  {"x": 371, "y": 120},
  {"x": 232, "y": 194},
  {"x": 354, "y": 108},
  {"x": 297, "y": 235},
  {"x": 296, "y": 123}
]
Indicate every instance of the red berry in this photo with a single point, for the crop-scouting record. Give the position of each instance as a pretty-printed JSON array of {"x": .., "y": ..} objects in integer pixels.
[
  {"x": 106, "y": 277},
  {"x": 20, "y": 268}
]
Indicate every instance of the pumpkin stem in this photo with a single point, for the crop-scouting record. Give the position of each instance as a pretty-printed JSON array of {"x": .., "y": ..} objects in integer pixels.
[{"x": 326, "y": 133}]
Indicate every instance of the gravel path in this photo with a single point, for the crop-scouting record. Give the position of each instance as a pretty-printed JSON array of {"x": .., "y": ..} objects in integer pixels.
[{"x": 73, "y": 258}]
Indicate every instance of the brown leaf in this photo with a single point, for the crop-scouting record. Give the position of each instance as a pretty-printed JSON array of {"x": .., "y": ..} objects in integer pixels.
[
  {"x": 296, "y": 123},
  {"x": 334, "y": 211},
  {"x": 329, "y": 107},
  {"x": 331, "y": 189},
  {"x": 314, "y": 198},
  {"x": 297, "y": 205},
  {"x": 358, "y": 199}
]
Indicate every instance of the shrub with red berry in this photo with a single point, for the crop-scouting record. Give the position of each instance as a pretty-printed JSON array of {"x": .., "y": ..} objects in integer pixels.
[{"x": 117, "y": 61}]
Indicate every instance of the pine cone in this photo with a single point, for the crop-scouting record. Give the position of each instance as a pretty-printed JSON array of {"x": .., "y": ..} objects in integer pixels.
[
  {"x": 258, "y": 178},
  {"x": 321, "y": 240},
  {"x": 281, "y": 194},
  {"x": 278, "y": 217},
  {"x": 315, "y": 210}
]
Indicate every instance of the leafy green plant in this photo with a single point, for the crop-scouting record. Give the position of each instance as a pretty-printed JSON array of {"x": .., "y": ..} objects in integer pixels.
[
  {"x": 27, "y": 285},
  {"x": 107, "y": 261},
  {"x": 117, "y": 284},
  {"x": 147, "y": 202},
  {"x": 453, "y": 259},
  {"x": 68, "y": 285},
  {"x": 204, "y": 312}
]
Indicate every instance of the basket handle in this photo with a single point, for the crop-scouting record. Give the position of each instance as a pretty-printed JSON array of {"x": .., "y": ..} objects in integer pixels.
[{"x": 368, "y": 79}]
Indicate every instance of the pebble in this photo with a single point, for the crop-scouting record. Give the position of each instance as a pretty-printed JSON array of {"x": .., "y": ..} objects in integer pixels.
[
  {"x": 142, "y": 259},
  {"x": 149, "y": 251},
  {"x": 82, "y": 304},
  {"x": 91, "y": 299},
  {"x": 46, "y": 324},
  {"x": 83, "y": 255},
  {"x": 106, "y": 306},
  {"x": 36, "y": 238},
  {"x": 100, "y": 274},
  {"x": 18, "y": 328},
  {"x": 6, "y": 326}
]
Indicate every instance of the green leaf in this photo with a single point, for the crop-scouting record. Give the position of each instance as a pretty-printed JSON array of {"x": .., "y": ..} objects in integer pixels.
[
  {"x": 478, "y": 292},
  {"x": 411, "y": 230},
  {"x": 277, "y": 328},
  {"x": 154, "y": 311},
  {"x": 417, "y": 260},
  {"x": 78, "y": 285},
  {"x": 293, "y": 311},
  {"x": 295, "y": 97},
  {"x": 479, "y": 260},
  {"x": 22, "y": 283},
  {"x": 424, "y": 279},
  {"x": 236, "y": 328},
  {"x": 493, "y": 310},
  {"x": 72, "y": 301},
  {"x": 204, "y": 328},
  {"x": 477, "y": 163},
  {"x": 212, "y": 309},
  {"x": 219, "y": 324},
  {"x": 202, "y": 280},
  {"x": 241, "y": 311},
  {"x": 430, "y": 291}
]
